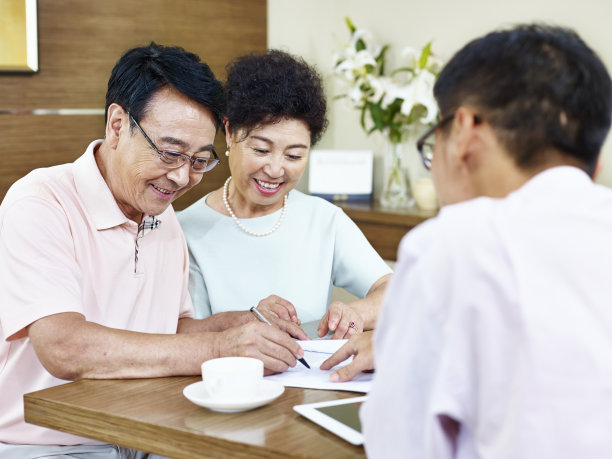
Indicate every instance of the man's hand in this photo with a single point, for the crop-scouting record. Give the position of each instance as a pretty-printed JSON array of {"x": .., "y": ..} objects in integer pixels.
[
  {"x": 360, "y": 346},
  {"x": 343, "y": 320},
  {"x": 275, "y": 348},
  {"x": 282, "y": 314}
]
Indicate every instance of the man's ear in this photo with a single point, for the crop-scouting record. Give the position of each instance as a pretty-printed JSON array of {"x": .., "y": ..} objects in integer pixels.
[
  {"x": 464, "y": 136},
  {"x": 116, "y": 118}
]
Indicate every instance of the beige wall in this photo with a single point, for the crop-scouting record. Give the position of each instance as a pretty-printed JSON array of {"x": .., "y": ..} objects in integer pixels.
[{"x": 315, "y": 28}]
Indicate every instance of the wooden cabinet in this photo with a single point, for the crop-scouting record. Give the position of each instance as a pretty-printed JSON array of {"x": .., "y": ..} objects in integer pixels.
[{"x": 384, "y": 227}]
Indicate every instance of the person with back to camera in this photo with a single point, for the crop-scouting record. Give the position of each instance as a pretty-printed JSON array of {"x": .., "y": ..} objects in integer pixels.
[
  {"x": 495, "y": 335},
  {"x": 257, "y": 240},
  {"x": 93, "y": 263}
]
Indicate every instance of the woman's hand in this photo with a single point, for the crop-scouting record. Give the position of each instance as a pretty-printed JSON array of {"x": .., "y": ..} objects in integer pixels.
[
  {"x": 341, "y": 319},
  {"x": 361, "y": 347},
  {"x": 282, "y": 314}
]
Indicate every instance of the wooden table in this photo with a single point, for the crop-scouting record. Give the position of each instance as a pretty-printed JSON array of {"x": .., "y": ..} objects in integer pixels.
[
  {"x": 152, "y": 415},
  {"x": 384, "y": 227}
]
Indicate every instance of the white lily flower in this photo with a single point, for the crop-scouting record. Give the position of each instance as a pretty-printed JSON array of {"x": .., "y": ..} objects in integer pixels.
[
  {"x": 355, "y": 94},
  {"x": 379, "y": 85},
  {"x": 374, "y": 50},
  {"x": 411, "y": 55},
  {"x": 363, "y": 83},
  {"x": 362, "y": 34},
  {"x": 392, "y": 91},
  {"x": 420, "y": 92},
  {"x": 357, "y": 62},
  {"x": 363, "y": 58}
]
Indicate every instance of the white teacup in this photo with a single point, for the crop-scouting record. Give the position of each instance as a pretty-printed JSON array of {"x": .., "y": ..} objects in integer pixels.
[{"x": 232, "y": 378}]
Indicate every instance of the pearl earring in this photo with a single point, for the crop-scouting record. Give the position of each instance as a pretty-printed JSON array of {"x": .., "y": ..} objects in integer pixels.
[{"x": 227, "y": 152}]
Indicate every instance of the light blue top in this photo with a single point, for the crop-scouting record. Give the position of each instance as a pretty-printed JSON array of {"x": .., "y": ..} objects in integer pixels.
[{"x": 316, "y": 247}]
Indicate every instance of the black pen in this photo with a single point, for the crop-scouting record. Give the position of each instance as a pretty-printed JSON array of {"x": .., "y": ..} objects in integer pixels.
[{"x": 264, "y": 320}]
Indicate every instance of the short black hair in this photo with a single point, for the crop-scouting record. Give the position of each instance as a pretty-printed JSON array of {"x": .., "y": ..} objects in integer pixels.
[
  {"x": 141, "y": 71},
  {"x": 267, "y": 88},
  {"x": 540, "y": 87}
]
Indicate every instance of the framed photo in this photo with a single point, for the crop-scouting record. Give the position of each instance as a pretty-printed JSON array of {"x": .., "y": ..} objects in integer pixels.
[
  {"x": 341, "y": 175},
  {"x": 18, "y": 36}
]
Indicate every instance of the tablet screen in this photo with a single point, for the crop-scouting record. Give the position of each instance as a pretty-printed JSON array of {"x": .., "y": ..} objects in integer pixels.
[
  {"x": 346, "y": 414},
  {"x": 338, "y": 416}
]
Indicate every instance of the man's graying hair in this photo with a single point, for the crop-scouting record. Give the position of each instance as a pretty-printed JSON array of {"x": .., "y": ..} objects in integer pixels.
[{"x": 540, "y": 87}]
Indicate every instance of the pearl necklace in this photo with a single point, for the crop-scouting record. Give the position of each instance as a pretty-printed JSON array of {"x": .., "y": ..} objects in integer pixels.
[{"x": 239, "y": 223}]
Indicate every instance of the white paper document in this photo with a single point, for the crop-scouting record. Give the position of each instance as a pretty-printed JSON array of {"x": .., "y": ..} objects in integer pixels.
[{"x": 315, "y": 353}]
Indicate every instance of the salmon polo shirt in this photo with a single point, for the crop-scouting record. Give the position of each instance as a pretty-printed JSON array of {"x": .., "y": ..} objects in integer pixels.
[{"x": 65, "y": 246}]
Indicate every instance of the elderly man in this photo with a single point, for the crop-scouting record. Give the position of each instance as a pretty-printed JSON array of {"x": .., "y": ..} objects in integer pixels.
[
  {"x": 495, "y": 336},
  {"x": 93, "y": 264}
]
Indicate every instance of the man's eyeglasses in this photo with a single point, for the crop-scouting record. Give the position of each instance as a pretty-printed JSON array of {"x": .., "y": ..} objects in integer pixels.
[
  {"x": 174, "y": 159},
  {"x": 426, "y": 147}
]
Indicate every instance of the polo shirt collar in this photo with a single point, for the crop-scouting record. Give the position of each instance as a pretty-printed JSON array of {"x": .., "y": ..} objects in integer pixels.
[{"x": 95, "y": 194}]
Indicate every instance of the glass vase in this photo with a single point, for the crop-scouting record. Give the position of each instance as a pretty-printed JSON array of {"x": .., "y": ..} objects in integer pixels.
[{"x": 397, "y": 190}]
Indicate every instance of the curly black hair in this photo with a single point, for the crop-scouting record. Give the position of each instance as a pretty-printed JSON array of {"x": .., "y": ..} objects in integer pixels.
[{"x": 267, "y": 88}]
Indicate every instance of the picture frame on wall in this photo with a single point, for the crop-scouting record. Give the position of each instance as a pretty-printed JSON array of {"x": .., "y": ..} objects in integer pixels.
[{"x": 18, "y": 36}]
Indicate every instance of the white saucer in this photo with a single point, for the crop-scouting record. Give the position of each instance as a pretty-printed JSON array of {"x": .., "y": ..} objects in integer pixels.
[{"x": 268, "y": 391}]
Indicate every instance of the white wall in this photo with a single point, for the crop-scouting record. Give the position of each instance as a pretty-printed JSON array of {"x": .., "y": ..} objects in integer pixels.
[{"x": 314, "y": 29}]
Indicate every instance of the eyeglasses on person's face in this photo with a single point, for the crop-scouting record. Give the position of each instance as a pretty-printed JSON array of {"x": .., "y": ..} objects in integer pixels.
[
  {"x": 174, "y": 159},
  {"x": 427, "y": 141}
]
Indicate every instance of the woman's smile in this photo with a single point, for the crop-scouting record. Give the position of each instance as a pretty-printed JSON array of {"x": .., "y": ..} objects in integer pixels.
[{"x": 267, "y": 188}]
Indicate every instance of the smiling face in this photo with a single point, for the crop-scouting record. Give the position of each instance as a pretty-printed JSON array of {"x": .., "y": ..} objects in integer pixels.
[
  {"x": 140, "y": 182},
  {"x": 266, "y": 165}
]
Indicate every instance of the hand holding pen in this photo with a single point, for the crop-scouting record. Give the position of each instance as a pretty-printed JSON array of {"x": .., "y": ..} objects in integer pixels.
[
  {"x": 283, "y": 315},
  {"x": 264, "y": 320},
  {"x": 272, "y": 345}
]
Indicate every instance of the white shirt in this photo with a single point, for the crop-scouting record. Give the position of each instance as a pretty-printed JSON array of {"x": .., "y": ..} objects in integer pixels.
[
  {"x": 316, "y": 247},
  {"x": 499, "y": 315}
]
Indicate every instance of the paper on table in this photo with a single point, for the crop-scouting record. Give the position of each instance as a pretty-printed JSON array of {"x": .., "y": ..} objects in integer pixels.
[{"x": 315, "y": 353}]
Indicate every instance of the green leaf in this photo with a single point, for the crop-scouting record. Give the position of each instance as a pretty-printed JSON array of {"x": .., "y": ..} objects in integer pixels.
[
  {"x": 376, "y": 113},
  {"x": 395, "y": 135},
  {"x": 425, "y": 55},
  {"x": 350, "y": 25},
  {"x": 360, "y": 45},
  {"x": 362, "y": 117},
  {"x": 381, "y": 58}
]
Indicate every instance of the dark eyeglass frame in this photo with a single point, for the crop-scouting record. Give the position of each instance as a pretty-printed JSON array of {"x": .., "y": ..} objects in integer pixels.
[
  {"x": 174, "y": 159},
  {"x": 426, "y": 148}
]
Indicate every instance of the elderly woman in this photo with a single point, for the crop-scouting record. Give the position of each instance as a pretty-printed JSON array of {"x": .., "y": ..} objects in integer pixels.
[{"x": 257, "y": 240}]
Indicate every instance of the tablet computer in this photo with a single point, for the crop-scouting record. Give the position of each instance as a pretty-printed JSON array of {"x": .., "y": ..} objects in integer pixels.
[{"x": 338, "y": 416}]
